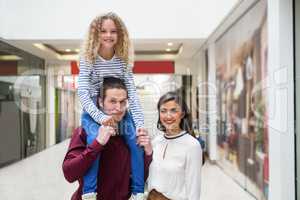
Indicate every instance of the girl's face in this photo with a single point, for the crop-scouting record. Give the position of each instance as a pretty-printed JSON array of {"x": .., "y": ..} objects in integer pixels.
[
  {"x": 108, "y": 34},
  {"x": 170, "y": 114}
]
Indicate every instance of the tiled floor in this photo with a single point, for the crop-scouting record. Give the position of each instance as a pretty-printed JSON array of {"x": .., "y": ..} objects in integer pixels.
[
  {"x": 40, "y": 177},
  {"x": 218, "y": 186}
]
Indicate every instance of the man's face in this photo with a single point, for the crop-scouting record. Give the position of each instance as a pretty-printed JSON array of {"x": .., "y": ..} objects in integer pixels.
[{"x": 115, "y": 103}]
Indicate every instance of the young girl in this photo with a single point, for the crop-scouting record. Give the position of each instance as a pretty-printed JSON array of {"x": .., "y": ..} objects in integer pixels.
[{"x": 106, "y": 53}]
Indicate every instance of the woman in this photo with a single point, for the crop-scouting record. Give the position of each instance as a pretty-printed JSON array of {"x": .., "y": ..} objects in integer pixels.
[{"x": 175, "y": 170}]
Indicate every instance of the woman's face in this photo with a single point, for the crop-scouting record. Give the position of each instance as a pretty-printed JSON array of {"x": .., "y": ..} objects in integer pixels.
[
  {"x": 108, "y": 34},
  {"x": 170, "y": 114}
]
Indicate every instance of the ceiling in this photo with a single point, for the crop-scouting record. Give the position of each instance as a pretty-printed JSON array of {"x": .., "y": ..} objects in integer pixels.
[
  {"x": 62, "y": 51},
  {"x": 51, "y": 33}
]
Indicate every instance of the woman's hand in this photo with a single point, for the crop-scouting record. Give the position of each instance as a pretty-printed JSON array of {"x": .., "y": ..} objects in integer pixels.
[{"x": 143, "y": 139}]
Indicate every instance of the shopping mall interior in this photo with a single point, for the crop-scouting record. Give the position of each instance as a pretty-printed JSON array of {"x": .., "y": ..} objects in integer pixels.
[{"x": 235, "y": 62}]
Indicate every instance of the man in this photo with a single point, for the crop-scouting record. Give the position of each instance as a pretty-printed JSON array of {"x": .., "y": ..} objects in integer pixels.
[{"x": 114, "y": 165}]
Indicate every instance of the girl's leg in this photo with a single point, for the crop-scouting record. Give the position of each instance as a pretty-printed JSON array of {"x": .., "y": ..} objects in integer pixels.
[
  {"x": 128, "y": 131},
  {"x": 90, "y": 178}
]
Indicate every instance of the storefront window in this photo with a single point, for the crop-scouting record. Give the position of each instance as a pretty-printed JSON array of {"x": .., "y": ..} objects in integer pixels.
[
  {"x": 243, "y": 133},
  {"x": 22, "y": 104},
  {"x": 67, "y": 107}
]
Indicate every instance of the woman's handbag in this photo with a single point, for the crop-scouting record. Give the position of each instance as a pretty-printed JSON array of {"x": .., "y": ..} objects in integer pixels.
[{"x": 154, "y": 195}]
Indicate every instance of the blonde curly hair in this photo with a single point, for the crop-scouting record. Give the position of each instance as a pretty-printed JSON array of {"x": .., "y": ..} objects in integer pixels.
[{"x": 91, "y": 45}]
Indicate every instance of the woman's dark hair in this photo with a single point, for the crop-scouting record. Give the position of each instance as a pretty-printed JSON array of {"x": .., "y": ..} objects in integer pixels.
[{"x": 186, "y": 121}]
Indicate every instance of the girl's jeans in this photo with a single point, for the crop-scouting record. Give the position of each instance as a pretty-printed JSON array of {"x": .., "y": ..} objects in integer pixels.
[{"x": 128, "y": 131}]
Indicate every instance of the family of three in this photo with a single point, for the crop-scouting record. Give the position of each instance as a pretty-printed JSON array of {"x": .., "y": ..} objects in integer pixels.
[{"x": 111, "y": 155}]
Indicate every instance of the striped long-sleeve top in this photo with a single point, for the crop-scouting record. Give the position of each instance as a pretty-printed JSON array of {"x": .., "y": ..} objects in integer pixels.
[{"x": 91, "y": 79}]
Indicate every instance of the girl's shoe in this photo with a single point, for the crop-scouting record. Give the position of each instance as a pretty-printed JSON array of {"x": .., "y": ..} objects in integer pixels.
[
  {"x": 138, "y": 196},
  {"x": 89, "y": 196}
]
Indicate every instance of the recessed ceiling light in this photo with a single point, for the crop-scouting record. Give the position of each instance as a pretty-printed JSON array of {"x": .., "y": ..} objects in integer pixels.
[
  {"x": 77, "y": 50},
  {"x": 68, "y": 57},
  {"x": 170, "y": 44},
  {"x": 39, "y": 46},
  {"x": 68, "y": 50},
  {"x": 168, "y": 49},
  {"x": 10, "y": 57}
]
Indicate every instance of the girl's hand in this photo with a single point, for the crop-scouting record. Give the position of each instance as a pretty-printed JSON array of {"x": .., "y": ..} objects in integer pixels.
[
  {"x": 143, "y": 139},
  {"x": 109, "y": 121}
]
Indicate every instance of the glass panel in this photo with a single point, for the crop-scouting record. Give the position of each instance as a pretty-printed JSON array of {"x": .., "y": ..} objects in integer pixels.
[
  {"x": 150, "y": 87},
  {"x": 67, "y": 108},
  {"x": 22, "y": 104},
  {"x": 241, "y": 59}
]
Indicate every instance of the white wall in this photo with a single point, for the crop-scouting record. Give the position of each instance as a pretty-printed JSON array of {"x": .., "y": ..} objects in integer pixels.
[
  {"x": 212, "y": 104},
  {"x": 281, "y": 95},
  {"x": 50, "y": 104},
  {"x": 1, "y": 18},
  {"x": 68, "y": 19},
  {"x": 185, "y": 67},
  {"x": 196, "y": 67}
]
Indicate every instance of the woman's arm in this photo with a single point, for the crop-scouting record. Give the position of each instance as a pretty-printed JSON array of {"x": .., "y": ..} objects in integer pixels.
[
  {"x": 79, "y": 157},
  {"x": 193, "y": 171}
]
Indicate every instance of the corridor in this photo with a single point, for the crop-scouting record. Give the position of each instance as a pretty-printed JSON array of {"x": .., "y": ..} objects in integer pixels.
[{"x": 40, "y": 177}]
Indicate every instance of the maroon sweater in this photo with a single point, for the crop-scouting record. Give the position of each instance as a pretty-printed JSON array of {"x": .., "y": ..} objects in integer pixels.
[{"x": 114, "y": 167}]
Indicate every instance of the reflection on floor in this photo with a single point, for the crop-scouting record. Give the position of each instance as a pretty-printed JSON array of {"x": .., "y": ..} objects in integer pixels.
[
  {"x": 37, "y": 177},
  {"x": 40, "y": 177},
  {"x": 216, "y": 185}
]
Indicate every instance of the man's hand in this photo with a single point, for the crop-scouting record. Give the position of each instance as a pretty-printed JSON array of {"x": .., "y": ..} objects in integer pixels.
[
  {"x": 143, "y": 139},
  {"x": 104, "y": 133}
]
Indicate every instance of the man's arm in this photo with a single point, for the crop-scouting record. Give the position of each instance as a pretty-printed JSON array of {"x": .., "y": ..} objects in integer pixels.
[
  {"x": 79, "y": 157},
  {"x": 147, "y": 162}
]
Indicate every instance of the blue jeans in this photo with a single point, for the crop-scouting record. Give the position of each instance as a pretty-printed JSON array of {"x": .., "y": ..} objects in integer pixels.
[{"x": 128, "y": 132}]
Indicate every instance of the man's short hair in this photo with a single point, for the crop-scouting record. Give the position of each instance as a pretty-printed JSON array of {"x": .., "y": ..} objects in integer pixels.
[{"x": 111, "y": 83}]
